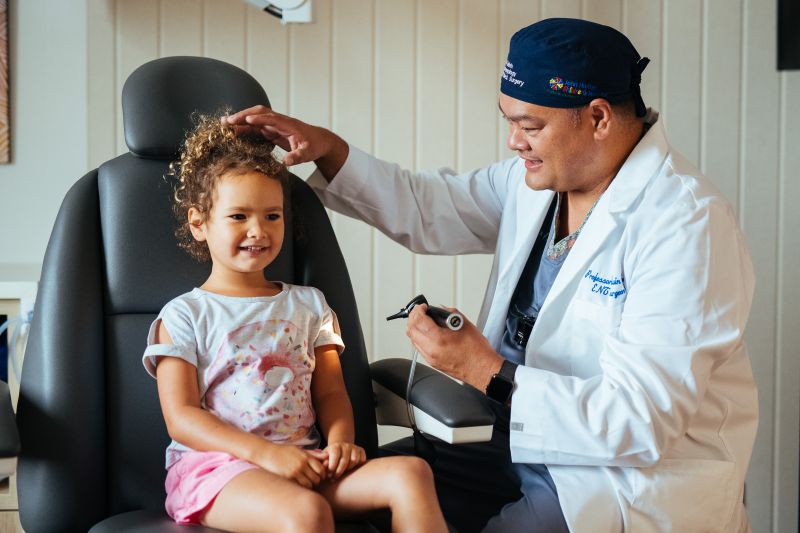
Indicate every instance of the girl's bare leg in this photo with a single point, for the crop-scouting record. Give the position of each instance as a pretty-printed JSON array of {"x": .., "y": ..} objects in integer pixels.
[
  {"x": 259, "y": 501},
  {"x": 402, "y": 484}
]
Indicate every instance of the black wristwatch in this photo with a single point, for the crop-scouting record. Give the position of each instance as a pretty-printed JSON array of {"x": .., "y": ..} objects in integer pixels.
[{"x": 501, "y": 385}]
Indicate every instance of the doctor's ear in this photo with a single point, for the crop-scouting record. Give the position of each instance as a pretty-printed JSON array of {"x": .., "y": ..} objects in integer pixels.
[
  {"x": 196, "y": 222},
  {"x": 601, "y": 115}
]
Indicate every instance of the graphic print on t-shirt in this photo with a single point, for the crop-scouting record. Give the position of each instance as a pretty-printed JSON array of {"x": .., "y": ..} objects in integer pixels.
[{"x": 260, "y": 381}]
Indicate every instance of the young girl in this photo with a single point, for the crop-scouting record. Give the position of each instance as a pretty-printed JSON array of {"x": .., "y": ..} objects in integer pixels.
[{"x": 246, "y": 366}]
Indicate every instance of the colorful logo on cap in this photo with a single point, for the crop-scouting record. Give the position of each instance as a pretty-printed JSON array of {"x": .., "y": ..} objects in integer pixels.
[
  {"x": 564, "y": 87},
  {"x": 556, "y": 84}
]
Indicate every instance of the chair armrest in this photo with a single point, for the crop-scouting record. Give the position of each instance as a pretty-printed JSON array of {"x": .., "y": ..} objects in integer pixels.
[
  {"x": 9, "y": 437},
  {"x": 449, "y": 410}
]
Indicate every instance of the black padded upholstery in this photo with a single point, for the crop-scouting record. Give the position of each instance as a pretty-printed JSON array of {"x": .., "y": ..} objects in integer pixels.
[
  {"x": 91, "y": 429},
  {"x": 153, "y": 522},
  {"x": 158, "y": 98}
]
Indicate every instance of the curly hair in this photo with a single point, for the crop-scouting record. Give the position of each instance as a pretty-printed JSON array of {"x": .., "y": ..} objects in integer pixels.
[{"x": 209, "y": 151}]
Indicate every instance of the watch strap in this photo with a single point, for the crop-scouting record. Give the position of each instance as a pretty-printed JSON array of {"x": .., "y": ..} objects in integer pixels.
[
  {"x": 508, "y": 370},
  {"x": 501, "y": 385}
]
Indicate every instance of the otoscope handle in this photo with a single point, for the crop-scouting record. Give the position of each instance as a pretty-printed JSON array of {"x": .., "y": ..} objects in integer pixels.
[{"x": 445, "y": 318}]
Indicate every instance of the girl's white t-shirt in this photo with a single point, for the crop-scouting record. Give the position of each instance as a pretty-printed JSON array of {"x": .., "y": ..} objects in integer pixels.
[{"x": 254, "y": 358}]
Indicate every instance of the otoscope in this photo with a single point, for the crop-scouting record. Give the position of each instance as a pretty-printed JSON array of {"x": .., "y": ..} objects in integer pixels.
[{"x": 444, "y": 319}]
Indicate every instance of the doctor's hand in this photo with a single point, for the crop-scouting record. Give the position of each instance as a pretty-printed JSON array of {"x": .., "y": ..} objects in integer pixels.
[
  {"x": 464, "y": 354},
  {"x": 302, "y": 142}
]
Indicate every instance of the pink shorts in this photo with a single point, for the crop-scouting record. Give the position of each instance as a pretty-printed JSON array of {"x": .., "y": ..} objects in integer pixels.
[{"x": 196, "y": 479}]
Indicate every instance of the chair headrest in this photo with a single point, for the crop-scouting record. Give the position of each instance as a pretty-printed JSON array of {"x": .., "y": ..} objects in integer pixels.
[{"x": 159, "y": 97}]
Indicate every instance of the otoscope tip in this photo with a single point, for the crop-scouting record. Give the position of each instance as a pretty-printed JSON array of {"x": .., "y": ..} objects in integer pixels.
[{"x": 400, "y": 314}]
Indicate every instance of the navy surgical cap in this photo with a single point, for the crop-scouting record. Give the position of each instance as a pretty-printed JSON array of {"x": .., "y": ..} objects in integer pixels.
[{"x": 563, "y": 62}]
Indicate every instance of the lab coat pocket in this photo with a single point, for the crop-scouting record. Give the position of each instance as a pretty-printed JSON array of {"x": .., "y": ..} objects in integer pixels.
[
  {"x": 687, "y": 495},
  {"x": 605, "y": 318}
]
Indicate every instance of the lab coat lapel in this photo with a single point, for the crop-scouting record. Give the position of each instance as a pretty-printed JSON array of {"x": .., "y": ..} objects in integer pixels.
[
  {"x": 644, "y": 162},
  {"x": 531, "y": 209}
]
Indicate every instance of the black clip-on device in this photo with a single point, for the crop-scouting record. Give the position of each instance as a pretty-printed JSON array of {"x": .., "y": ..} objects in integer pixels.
[{"x": 444, "y": 319}]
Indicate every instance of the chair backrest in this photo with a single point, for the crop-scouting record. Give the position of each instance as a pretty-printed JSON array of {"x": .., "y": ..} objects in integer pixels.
[{"x": 92, "y": 433}]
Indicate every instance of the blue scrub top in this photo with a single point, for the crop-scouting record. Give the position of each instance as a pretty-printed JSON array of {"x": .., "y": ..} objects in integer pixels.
[{"x": 537, "y": 277}]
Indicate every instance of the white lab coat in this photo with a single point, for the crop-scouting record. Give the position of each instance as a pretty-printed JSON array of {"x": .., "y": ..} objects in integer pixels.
[{"x": 637, "y": 390}]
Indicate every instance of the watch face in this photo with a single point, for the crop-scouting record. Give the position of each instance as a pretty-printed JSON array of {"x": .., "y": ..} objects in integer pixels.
[{"x": 499, "y": 388}]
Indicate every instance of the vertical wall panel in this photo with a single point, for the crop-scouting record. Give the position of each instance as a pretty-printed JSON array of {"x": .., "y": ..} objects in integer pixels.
[
  {"x": 137, "y": 31},
  {"x": 224, "y": 30},
  {"x": 181, "y": 28},
  {"x": 395, "y": 102},
  {"x": 759, "y": 204},
  {"x": 267, "y": 56},
  {"x": 787, "y": 370},
  {"x": 608, "y": 12},
  {"x": 478, "y": 81},
  {"x": 352, "y": 24},
  {"x": 641, "y": 22},
  {"x": 721, "y": 97},
  {"x": 561, "y": 8},
  {"x": 437, "y": 132},
  {"x": 394, "y": 133},
  {"x": 310, "y": 72},
  {"x": 103, "y": 94},
  {"x": 683, "y": 82}
]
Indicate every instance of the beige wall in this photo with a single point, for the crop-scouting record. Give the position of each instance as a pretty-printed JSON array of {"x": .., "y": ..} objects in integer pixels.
[
  {"x": 47, "y": 58},
  {"x": 415, "y": 81}
]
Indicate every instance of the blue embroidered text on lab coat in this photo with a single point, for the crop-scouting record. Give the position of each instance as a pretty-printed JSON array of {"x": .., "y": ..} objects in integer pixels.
[{"x": 610, "y": 287}]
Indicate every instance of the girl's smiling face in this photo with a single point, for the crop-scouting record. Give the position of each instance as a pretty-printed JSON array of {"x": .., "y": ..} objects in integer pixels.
[{"x": 245, "y": 226}]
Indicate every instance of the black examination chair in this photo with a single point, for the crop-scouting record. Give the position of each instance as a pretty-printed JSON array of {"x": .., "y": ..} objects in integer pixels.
[{"x": 91, "y": 434}]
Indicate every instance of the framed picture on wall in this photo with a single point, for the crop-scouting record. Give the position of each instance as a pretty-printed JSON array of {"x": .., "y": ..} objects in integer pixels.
[
  {"x": 5, "y": 153},
  {"x": 788, "y": 36}
]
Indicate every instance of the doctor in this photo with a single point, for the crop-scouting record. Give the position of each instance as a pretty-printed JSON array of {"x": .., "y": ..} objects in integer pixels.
[{"x": 614, "y": 316}]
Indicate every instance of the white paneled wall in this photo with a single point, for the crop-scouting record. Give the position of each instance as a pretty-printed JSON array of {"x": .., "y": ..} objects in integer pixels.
[{"x": 415, "y": 81}]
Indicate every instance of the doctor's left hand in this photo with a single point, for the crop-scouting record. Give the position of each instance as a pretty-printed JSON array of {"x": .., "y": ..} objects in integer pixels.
[{"x": 464, "y": 354}]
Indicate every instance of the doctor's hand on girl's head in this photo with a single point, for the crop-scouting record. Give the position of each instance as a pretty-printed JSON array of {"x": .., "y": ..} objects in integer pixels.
[
  {"x": 241, "y": 124},
  {"x": 302, "y": 142}
]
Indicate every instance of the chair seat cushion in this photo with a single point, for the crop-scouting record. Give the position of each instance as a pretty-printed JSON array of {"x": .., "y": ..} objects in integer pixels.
[
  {"x": 145, "y": 522},
  {"x": 159, "y": 522}
]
